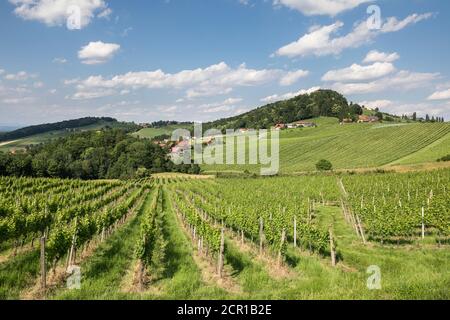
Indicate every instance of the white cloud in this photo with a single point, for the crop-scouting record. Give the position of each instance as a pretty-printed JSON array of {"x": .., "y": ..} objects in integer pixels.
[
  {"x": 402, "y": 80},
  {"x": 2, "y": 71},
  {"x": 440, "y": 95},
  {"x": 381, "y": 104},
  {"x": 38, "y": 84},
  {"x": 20, "y": 76},
  {"x": 321, "y": 7},
  {"x": 14, "y": 101},
  {"x": 288, "y": 95},
  {"x": 357, "y": 72},
  {"x": 376, "y": 56},
  {"x": 105, "y": 13},
  {"x": 292, "y": 77},
  {"x": 231, "y": 101},
  {"x": 421, "y": 109},
  {"x": 216, "y": 79},
  {"x": 60, "y": 60},
  {"x": 92, "y": 94},
  {"x": 224, "y": 106},
  {"x": 320, "y": 40},
  {"x": 97, "y": 52},
  {"x": 56, "y": 12}
]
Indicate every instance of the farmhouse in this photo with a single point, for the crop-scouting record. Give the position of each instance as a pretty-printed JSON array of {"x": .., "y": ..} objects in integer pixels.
[
  {"x": 368, "y": 119},
  {"x": 305, "y": 124},
  {"x": 280, "y": 126},
  {"x": 181, "y": 147},
  {"x": 301, "y": 124}
]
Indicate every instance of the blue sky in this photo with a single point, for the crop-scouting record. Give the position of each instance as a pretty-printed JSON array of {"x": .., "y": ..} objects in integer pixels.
[{"x": 201, "y": 60}]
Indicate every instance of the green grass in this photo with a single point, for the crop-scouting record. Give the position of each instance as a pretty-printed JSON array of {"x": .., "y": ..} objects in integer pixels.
[
  {"x": 18, "y": 273},
  {"x": 150, "y": 133},
  {"x": 351, "y": 146},
  {"x": 430, "y": 153},
  {"x": 103, "y": 272}
]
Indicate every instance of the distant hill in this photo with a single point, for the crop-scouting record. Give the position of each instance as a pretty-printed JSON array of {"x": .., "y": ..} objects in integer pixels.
[
  {"x": 48, "y": 132},
  {"x": 44, "y": 128}
]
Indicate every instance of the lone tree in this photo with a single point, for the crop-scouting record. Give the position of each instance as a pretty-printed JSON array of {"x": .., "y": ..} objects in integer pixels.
[{"x": 324, "y": 165}]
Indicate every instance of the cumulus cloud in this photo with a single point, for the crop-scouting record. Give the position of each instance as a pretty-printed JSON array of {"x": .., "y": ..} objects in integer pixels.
[
  {"x": 2, "y": 71},
  {"x": 56, "y": 12},
  {"x": 97, "y": 52},
  {"x": 357, "y": 72},
  {"x": 322, "y": 40},
  {"x": 376, "y": 56},
  {"x": 402, "y": 80},
  {"x": 289, "y": 95},
  {"x": 216, "y": 79},
  {"x": 381, "y": 104},
  {"x": 320, "y": 7},
  {"x": 92, "y": 94},
  {"x": 292, "y": 77},
  {"x": 20, "y": 76},
  {"x": 440, "y": 95}
]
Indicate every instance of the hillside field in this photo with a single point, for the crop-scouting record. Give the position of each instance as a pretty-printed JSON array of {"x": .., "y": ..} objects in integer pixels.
[
  {"x": 354, "y": 146},
  {"x": 150, "y": 133}
]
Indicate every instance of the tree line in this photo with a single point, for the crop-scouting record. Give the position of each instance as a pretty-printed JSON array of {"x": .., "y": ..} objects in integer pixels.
[
  {"x": 69, "y": 124},
  {"x": 103, "y": 154}
]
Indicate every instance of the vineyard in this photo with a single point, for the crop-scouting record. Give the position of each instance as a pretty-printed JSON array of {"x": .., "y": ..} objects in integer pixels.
[
  {"x": 355, "y": 146},
  {"x": 173, "y": 236}
]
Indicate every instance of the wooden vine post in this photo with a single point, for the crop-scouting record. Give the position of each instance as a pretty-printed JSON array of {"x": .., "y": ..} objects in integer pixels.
[
  {"x": 295, "y": 231},
  {"x": 332, "y": 248},
  {"x": 280, "y": 254},
  {"x": 221, "y": 253},
  {"x": 361, "y": 230},
  {"x": 423, "y": 223},
  {"x": 261, "y": 235},
  {"x": 43, "y": 264}
]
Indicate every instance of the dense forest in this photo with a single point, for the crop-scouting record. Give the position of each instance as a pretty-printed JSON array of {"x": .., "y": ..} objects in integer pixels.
[
  {"x": 326, "y": 103},
  {"x": 104, "y": 154},
  {"x": 70, "y": 124}
]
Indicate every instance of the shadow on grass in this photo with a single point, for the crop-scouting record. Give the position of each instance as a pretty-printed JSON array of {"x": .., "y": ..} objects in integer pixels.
[{"x": 17, "y": 274}]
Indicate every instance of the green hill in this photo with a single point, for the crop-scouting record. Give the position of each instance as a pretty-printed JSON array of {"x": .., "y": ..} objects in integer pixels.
[
  {"x": 356, "y": 146},
  {"x": 151, "y": 133},
  {"x": 19, "y": 140},
  {"x": 322, "y": 103}
]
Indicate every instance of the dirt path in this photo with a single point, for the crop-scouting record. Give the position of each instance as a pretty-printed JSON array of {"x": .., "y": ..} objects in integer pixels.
[{"x": 2, "y": 144}]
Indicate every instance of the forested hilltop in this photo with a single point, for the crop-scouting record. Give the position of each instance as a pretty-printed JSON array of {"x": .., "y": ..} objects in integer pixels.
[
  {"x": 63, "y": 125},
  {"x": 103, "y": 154},
  {"x": 327, "y": 103}
]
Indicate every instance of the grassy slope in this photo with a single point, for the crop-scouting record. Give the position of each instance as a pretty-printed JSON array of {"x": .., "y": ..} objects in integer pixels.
[
  {"x": 413, "y": 272},
  {"x": 44, "y": 137},
  {"x": 431, "y": 153},
  {"x": 154, "y": 132},
  {"x": 350, "y": 146}
]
